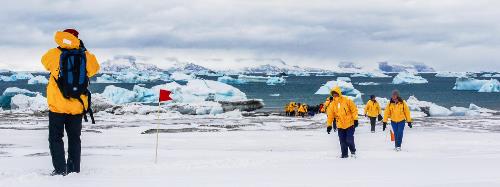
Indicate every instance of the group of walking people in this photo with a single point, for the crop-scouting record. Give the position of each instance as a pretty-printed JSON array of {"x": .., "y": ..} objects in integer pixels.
[
  {"x": 296, "y": 109},
  {"x": 342, "y": 117}
]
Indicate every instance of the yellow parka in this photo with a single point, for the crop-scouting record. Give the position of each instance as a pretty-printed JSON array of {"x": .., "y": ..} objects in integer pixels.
[
  {"x": 397, "y": 112},
  {"x": 343, "y": 110},
  {"x": 55, "y": 99},
  {"x": 302, "y": 109},
  {"x": 372, "y": 109},
  {"x": 325, "y": 104}
]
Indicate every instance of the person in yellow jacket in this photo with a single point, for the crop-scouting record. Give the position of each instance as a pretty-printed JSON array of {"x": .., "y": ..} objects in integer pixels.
[
  {"x": 326, "y": 103},
  {"x": 399, "y": 113},
  {"x": 66, "y": 113},
  {"x": 372, "y": 110},
  {"x": 344, "y": 112},
  {"x": 302, "y": 110}
]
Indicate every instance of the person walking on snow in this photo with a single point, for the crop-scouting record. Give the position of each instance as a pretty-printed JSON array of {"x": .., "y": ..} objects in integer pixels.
[
  {"x": 344, "y": 112},
  {"x": 399, "y": 113},
  {"x": 70, "y": 66},
  {"x": 372, "y": 110}
]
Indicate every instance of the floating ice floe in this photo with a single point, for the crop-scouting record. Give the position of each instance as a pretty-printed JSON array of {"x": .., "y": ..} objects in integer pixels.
[
  {"x": 408, "y": 78},
  {"x": 370, "y": 75},
  {"x": 132, "y": 77},
  {"x": 465, "y": 83},
  {"x": 16, "y": 77},
  {"x": 230, "y": 80},
  {"x": 368, "y": 83},
  {"x": 251, "y": 78},
  {"x": 491, "y": 75},
  {"x": 179, "y": 76},
  {"x": 274, "y": 95},
  {"x": 275, "y": 80},
  {"x": 38, "y": 80},
  {"x": 346, "y": 79},
  {"x": 452, "y": 74}
]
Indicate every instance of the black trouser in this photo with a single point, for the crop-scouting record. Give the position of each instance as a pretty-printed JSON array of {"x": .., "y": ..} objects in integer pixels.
[
  {"x": 73, "y": 125},
  {"x": 346, "y": 138},
  {"x": 373, "y": 121}
]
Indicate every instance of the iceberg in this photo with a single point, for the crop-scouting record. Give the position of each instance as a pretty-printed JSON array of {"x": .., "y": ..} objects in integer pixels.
[
  {"x": 346, "y": 79},
  {"x": 408, "y": 78},
  {"x": 275, "y": 80},
  {"x": 452, "y": 74},
  {"x": 132, "y": 77},
  {"x": 370, "y": 75},
  {"x": 6, "y": 78},
  {"x": 465, "y": 83},
  {"x": 230, "y": 80},
  {"x": 490, "y": 86},
  {"x": 179, "y": 76},
  {"x": 194, "y": 91},
  {"x": 368, "y": 83},
  {"x": 38, "y": 80},
  {"x": 430, "y": 108},
  {"x": 21, "y": 76},
  {"x": 347, "y": 88},
  {"x": 491, "y": 75},
  {"x": 21, "y": 102},
  {"x": 249, "y": 78},
  {"x": 106, "y": 78}
]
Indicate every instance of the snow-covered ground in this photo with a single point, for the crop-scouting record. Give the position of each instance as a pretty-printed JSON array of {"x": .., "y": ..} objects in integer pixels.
[{"x": 230, "y": 150}]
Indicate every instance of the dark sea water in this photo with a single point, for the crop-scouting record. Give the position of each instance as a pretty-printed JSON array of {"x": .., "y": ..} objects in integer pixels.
[{"x": 301, "y": 89}]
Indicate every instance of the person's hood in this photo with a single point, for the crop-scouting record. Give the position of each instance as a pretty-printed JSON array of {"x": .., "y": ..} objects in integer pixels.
[
  {"x": 66, "y": 40},
  {"x": 336, "y": 90}
]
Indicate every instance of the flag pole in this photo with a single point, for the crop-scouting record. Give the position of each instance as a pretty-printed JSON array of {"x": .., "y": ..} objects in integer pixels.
[{"x": 157, "y": 131}]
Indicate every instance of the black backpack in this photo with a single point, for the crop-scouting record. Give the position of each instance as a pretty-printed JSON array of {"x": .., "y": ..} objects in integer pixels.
[{"x": 73, "y": 80}]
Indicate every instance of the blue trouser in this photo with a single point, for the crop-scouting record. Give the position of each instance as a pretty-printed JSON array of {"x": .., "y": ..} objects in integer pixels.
[
  {"x": 398, "y": 128},
  {"x": 346, "y": 138}
]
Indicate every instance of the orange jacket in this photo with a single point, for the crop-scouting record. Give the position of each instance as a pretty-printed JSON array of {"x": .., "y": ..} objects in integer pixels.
[{"x": 57, "y": 103}]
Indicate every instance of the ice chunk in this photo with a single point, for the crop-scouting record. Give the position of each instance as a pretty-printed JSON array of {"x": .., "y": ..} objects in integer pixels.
[
  {"x": 179, "y": 76},
  {"x": 38, "y": 103},
  {"x": 38, "y": 80},
  {"x": 200, "y": 108},
  {"x": 451, "y": 74},
  {"x": 347, "y": 88},
  {"x": 230, "y": 80},
  {"x": 408, "y": 78},
  {"x": 106, "y": 78},
  {"x": 464, "y": 83},
  {"x": 491, "y": 75},
  {"x": 21, "y": 76},
  {"x": 370, "y": 75},
  {"x": 6, "y": 78},
  {"x": 346, "y": 79},
  {"x": 368, "y": 83},
  {"x": 119, "y": 95},
  {"x": 490, "y": 86},
  {"x": 249, "y": 78},
  {"x": 274, "y": 95},
  {"x": 275, "y": 80},
  {"x": 434, "y": 110}
]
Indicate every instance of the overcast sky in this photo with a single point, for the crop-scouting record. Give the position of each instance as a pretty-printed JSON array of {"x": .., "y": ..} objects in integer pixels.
[{"x": 456, "y": 35}]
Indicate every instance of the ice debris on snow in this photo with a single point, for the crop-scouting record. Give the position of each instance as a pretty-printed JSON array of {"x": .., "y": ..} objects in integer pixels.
[
  {"x": 408, "y": 78},
  {"x": 38, "y": 80},
  {"x": 21, "y": 102}
]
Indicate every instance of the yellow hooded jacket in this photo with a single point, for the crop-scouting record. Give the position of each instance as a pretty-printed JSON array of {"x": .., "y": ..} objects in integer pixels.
[
  {"x": 302, "y": 109},
  {"x": 343, "y": 110},
  {"x": 55, "y": 99},
  {"x": 325, "y": 104},
  {"x": 397, "y": 112},
  {"x": 372, "y": 109}
]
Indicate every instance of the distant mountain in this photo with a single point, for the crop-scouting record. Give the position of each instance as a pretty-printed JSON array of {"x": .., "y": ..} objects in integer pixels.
[
  {"x": 411, "y": 67},
  {"x": 127, "y": 63},
  {"x": 274, "y": 66},
  {"x": 189, "y": 68}
]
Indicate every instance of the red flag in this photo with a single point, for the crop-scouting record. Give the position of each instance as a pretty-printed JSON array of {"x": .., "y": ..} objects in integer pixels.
[{"x": 165, "y": 95}]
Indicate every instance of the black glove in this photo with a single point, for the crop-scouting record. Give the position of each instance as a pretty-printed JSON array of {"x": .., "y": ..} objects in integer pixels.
[
  {"x": 384, "y": 125},
  {"x": 328, "y": 129},
  {"x": 409, "y": 125},
  {"x": 356, "y": 123},
  {"x": 380, "y": 117}
]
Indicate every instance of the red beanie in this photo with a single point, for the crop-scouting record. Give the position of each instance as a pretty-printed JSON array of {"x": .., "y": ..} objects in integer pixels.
[{"x": 72, "y": 31}]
